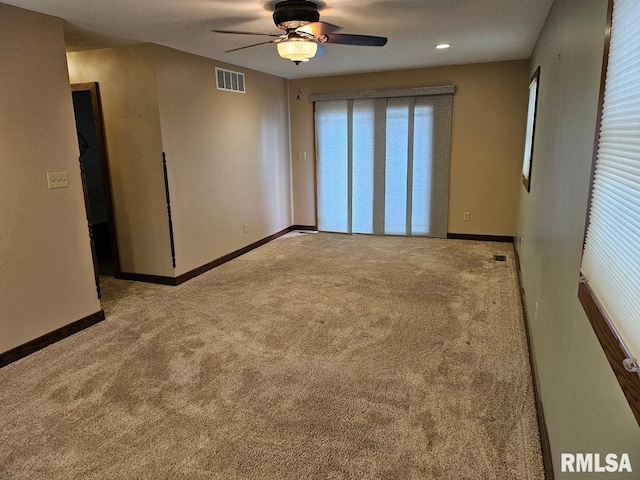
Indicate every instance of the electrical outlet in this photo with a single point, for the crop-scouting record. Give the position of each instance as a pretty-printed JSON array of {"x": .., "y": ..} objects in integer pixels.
[
  {"x": 57, "y": 180},
  {"x": 302, "y": 156},
  {"x": 467, "y": 216},
  {"x": 246, "y": 227}
]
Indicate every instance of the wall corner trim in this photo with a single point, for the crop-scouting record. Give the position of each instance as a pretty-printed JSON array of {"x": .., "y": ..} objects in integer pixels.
[{"x": 166, "y": 192}]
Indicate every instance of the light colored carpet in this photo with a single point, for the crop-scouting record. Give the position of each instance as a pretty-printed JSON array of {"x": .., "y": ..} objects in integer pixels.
[{"x": 315, "y": 356}]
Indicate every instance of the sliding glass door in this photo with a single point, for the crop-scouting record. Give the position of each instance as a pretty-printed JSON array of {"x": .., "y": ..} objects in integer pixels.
[{"x": 383, "y": 165}]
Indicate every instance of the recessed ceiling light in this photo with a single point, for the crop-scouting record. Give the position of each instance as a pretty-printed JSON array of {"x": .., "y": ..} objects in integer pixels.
[{"x": 442, "y": 46}]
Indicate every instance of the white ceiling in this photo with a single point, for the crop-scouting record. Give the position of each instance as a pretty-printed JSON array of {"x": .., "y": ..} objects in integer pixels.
[{"x": 478, "y": 30}]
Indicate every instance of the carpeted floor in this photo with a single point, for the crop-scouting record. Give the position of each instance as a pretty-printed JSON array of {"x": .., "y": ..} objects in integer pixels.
[{"x": 315, "y": 356}]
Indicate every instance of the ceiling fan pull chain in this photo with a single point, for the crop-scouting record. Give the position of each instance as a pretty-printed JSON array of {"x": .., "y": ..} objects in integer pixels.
[{"x": 298, "y": 81}]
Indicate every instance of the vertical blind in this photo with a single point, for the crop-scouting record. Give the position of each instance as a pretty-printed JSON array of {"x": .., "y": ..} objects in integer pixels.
[
  {"x": 383, "y": 164},
  {"x": 611, "y": 259}
]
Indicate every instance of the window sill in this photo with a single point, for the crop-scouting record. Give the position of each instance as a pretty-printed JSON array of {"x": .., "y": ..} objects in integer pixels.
[{"x": 612, "y": 346}]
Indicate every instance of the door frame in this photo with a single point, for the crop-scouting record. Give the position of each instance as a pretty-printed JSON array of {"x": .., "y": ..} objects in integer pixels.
[{"x": 94, "y": 89}]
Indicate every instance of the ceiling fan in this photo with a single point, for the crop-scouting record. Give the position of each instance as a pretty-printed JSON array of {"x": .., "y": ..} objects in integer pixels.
[{"x": 300, "y": 20}]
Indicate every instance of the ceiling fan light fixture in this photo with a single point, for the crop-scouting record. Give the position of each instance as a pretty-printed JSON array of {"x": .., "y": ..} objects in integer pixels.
[
  {"x": 300, "y": 19},
  {"x": 297, "y": 49}
]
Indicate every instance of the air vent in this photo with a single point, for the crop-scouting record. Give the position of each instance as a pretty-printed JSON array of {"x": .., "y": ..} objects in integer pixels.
[
  {"x": 500, "y": 258},
  {"x": 229, "y": 80}
]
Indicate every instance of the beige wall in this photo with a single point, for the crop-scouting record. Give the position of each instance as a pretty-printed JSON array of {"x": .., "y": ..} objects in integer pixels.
[
  {"x": 227, "y": 155},
  {"x": 584, "y": 406},
  {"x": 47, "y": 272},
  {"x": 489, "y": 116},
  {"x": 134, "y": 146}
]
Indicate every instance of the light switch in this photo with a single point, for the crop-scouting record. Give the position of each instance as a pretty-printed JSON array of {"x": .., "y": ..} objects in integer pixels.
[
  {"x": 57, "y": 180},
  {"x": 302, "y": 155}
]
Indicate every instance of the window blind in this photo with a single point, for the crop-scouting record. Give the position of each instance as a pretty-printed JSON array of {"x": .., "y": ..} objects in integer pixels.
[
  {"x": 611, "y": 259},
  {"x": 531, "y": 122},
  {"x": 383, "y": 164}
]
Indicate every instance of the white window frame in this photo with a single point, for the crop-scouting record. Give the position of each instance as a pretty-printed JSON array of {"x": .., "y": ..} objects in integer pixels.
[{"x": 532, "y": 110}]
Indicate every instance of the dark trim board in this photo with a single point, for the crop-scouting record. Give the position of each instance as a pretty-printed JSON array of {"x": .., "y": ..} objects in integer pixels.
[
  {"x": 612, "y": 346},
  {"x": 68, "y": 330},
  {"x": 230, "y": 256},
  {"x": 94, "y": 89},
  {"x": 143, "y": 277},
  {"x": 596, "y": 141},
  {"x": 49, "y": 338},
  {"x": 545, "y": 445},
  {"x": 175, "y": 281},
  {"x": 306, "y": 228},
  {"x": 166, "y": 192},
  {"x": 482, "y": 238}
]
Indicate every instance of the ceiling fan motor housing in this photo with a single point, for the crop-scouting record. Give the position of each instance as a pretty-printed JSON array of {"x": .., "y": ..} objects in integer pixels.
[{"x": 291, "y": 14}]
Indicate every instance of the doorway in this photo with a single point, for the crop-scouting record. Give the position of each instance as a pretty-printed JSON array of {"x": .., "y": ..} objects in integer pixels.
[{"x": 96, "y": 180}]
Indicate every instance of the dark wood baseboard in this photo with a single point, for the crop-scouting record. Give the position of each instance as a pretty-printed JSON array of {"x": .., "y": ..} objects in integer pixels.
[
  {"x": 49, "y": 338},
  {"x": 68, "y": 330},
  {"x": 545, "y": 445},
  {"x": 482, "y": 238},
  {"x": 230, "y": 256},
  {"x": 174, "y": 281},
  {"x": 312, "y": 228},
  {"x": 143, "y": 277}
]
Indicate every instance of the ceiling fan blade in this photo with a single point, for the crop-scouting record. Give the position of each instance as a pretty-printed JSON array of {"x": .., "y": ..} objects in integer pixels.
[
  {"x": 246, "y": 33},
  {"x": 347, "y": 39},
  {"x": 253, "y": 45},
  {"x": 317, "y": 28}
]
